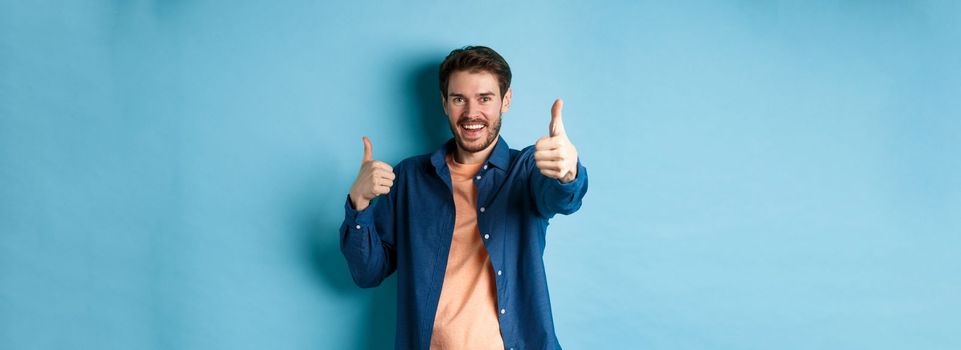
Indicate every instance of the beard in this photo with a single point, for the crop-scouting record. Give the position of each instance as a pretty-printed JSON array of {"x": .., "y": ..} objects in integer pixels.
[{"x": 492, "y": 132}]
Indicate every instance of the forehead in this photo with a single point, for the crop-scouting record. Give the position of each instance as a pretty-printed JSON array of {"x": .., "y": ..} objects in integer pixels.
[{"x": 472, "y": 83}]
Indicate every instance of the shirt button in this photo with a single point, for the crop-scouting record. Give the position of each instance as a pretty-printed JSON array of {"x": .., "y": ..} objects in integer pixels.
[
  {"x": 485, "y": 166},
  {"x": 482, "y": 209},
  {"x": 358, "y": 227},
  {"x": 478, "y": 177},
  {"x": 503, "y": 311},
  {"x": 499, "y": 272},
  {"x": 487, "y": 236}
]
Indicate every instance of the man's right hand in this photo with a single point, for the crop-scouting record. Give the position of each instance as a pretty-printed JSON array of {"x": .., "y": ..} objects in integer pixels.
[{"x": 375, "y": 178}]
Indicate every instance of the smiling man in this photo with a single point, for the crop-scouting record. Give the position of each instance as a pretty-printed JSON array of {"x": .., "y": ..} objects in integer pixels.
[{"x": 464, "y": 227}]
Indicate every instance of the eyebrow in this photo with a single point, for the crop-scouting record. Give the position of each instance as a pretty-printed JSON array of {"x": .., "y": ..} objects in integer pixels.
[{"x": 483, "y": 94}]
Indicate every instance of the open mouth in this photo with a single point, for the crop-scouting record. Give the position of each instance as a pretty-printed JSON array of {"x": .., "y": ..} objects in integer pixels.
[{"x": 472, "y": 129}]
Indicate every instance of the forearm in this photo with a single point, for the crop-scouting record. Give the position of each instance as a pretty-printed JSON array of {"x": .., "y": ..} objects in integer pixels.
[{"x": 368, "y": 256}]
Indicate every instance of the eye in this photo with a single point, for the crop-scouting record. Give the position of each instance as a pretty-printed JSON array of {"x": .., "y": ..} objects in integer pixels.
[
  {"x": 485, "y": 99},
  {"x": 458, "y": 100}
]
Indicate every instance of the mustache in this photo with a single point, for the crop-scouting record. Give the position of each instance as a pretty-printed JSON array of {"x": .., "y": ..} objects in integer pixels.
[{"x": 464, "y": 120}]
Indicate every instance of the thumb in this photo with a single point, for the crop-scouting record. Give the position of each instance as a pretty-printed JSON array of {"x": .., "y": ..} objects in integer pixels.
[
  {"x": 368, "y": 150},
  {"x": 557, "y": 124}
]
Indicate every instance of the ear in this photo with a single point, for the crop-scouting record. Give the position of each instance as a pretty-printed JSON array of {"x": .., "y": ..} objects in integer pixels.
[
  {"x": 443, "y": 102},
  {"x": 506, "y": 104}
]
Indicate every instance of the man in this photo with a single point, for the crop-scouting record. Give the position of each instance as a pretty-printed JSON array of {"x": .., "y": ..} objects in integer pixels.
[{"x": 464, "y": 227}]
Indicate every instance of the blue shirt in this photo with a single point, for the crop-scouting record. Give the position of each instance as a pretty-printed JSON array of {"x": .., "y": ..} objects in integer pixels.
[{"x": 409, "y": 232}]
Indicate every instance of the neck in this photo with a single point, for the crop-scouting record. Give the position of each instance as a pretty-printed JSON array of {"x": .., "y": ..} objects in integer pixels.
[{"x": 464, "y": 157}]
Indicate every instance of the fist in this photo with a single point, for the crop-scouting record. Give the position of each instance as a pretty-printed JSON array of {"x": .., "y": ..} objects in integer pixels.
[
  {"x": 554, "y": 154},
  {"x": 374, "y": 178}
]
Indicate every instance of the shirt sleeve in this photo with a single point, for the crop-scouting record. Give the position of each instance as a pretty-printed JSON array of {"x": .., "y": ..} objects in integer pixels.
[
  {"x": 366, "y": 240},
  {"x": 552, "y": 197}
]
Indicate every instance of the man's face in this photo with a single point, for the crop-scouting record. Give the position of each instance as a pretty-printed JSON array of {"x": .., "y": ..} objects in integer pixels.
[{"x": 474, "y": 107}]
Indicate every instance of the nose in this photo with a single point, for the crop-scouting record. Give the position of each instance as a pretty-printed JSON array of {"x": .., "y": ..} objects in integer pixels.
[{"x": 472, "y": 109}]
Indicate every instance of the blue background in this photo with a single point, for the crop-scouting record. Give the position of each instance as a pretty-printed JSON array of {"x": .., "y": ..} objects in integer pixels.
[{"x": 764, "y": 175}]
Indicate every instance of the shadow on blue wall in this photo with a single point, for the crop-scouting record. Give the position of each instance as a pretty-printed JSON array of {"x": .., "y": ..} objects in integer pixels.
[
  {"x": 434, "y": 128},
  {"x": 377, "y": 329}
]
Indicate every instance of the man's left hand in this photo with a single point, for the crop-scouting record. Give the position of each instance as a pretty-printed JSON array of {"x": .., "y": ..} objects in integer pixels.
[{"x": 555, "y": 155}]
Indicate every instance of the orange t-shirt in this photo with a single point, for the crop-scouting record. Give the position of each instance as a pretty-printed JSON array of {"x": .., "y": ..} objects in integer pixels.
[{"x": 467, "y": 311}]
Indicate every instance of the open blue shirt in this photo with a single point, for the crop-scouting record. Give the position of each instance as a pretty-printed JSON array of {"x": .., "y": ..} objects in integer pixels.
[{"x": 409, "y": 231}]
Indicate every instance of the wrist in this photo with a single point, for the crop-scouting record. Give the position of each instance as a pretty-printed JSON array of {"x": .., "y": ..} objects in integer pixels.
[{"x": 358, "y": 202}]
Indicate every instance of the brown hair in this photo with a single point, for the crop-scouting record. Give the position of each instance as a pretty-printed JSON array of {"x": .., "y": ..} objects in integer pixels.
[{"x": 474, "y": 59}]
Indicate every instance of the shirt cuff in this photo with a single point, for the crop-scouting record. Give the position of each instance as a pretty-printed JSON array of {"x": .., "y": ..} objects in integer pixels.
[{"x": 353, "y": 217}]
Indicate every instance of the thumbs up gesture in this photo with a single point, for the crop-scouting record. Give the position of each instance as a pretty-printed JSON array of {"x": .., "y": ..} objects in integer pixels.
[
  {"x": 555, "y": 155},
  {"x": 375, "y": 178}
]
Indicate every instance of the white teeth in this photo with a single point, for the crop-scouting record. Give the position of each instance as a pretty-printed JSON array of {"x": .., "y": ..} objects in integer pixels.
[{"x": 473, "y": 126}]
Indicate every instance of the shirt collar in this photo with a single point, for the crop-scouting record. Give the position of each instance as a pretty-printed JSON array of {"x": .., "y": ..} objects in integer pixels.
[{"x": 500, "y": 156}]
